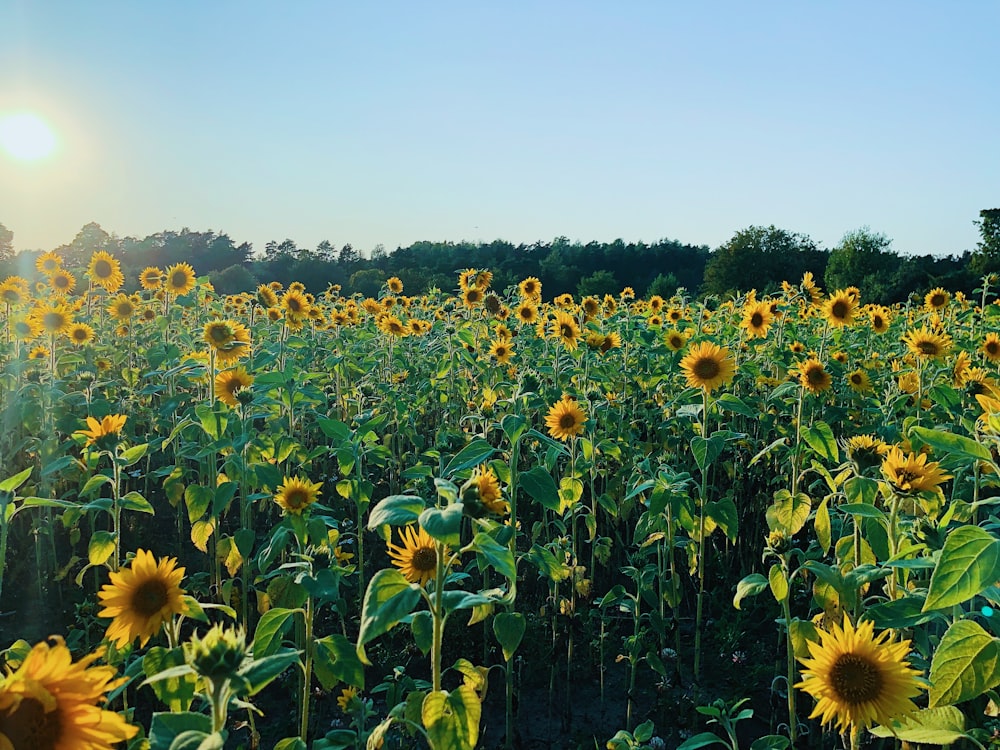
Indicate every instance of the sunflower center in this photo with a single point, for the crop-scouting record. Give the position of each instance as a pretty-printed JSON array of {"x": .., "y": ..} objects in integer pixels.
[
  {"x": 993, "y": 348},
  {"x": 102, "y": 269},
  {"x": 928, "y": 348},
  {"x": 756, "y": 320},
  {"x": 178, "y": 279},
  {"x": 150, "y": 597},
  {"x": 567, "y": 421},
  {"x": 80, "y": 334},
  {"x": 566, "y": 331},
  {"x": 816, "y": 376},
  {"x": 424, "y": 558},
  {"x": 855, "y": 679},
  {"x": 840, "y": 310},
  {"x": 30, "y": 726},
  {"x": 53, "y": 320},
  {"x": 706, "y": 368},
  {"x": 937, "y": 300},
  {"x": 857, "y": 379},
  {"x": 878, "y": 322},
  {"x": 297, "y": 498},
  {"x": 220, "y": 334}
]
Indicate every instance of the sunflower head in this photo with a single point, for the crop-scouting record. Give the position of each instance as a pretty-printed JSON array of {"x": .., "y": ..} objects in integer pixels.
[
  {"x": 813, "y": 376},
  {"x": 296, "y": 494},
  {"x": 839, "y": 308},
  {"x": 859, "y": 679},
  {"x": 394, "y": 285},
  {"x": 482, "y": 494},
  {"x": 141, "y": 598},
  {"x": 936, "y": 299},
  {"x": 105, "y": 271},
  {"x": 912, "y": 473},
  {"x": 928, "y": 344},
  {"x": 417, "y": 556},
  {"x": 80, "y": 333},
  {"x": 219, "y": 655},
  {"x": 991, "y": 347},
  {"x": 708, "y": 366},
  {"x": 179, "y": 279},
  {"x": 530, "y": 288},
  {"x": 233, "y": 386},
  {"x": 565, "y": 418},
  {"x": 151, "y": 278},
  {"x": 104, "y": 434}
]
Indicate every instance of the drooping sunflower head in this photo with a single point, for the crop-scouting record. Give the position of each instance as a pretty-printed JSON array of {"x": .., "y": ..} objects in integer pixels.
[
  {"x": 142, "y": 597},
  {"x": 910, "y": 473},
  {"x": 231, "y": 384},
  {"x": 51, "y": 703},
  {"x": 866, "y": 451},
  {"x": 105, "y": 271},
  {"x": 296, "y": 494},
  {"x": 565, "y": 418},
  {"x": 484, "y": 487},
  {"x": 493, "y": 304},
  {"x": 708, "y": 366},
  {"x": 924, "y": 342},
  {"x": 179, "y": 279},
  {"x": 417, "y": 557},
  {"x": 859, "y": 679},
  {"x": 936, "y": 299},
  {"x": 813, "y": 376}
]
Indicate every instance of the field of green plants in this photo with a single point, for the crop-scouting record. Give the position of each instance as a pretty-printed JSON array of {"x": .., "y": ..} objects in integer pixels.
[{"x": 477, "y": 518}]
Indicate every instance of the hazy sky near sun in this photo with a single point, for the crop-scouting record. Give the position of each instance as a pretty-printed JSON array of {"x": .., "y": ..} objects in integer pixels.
[{"x": 390, "y": 122}]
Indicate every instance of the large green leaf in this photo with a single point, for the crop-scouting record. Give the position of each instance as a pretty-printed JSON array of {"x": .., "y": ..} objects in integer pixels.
[
  {"x": 471, "y": 455},
  {"x": 396, "y": 510},
  {"x": 965, "y": 665},
  {"x": 706, "y": 450},
  {"x": 337, "y": 661},
  {"x": 752, "y": 585},
  {"x": 389, "y": 598},
  {"x": 509, "y": 629},
  {"x": 101, "y": 547},
  {"x": 176, "y": 692},
  {"x": 165, "y": 728},
  {"x": 949, "y": 443},
  {"x": 270, "y": 631},
  {"x": 12, "y": 483},
  {"x": 540, "y": 485},
  {"x": 452, "y": 719},
  {"x": 969, "y": 562},
  {"x": 821, "y": 524},
  {"x": 500, "y": 558},
  {"x": 931, "y": 726},
  {"x": 820, "y": 438},
  {"x": 444, "y": 524},
  {"x": 789, "y": 512},
  {"x": 259, "y": 672}
]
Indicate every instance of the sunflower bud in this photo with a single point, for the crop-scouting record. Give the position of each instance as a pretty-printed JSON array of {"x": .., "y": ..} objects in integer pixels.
[
  {"x": 778, "y": 542},
  {"x": 219, "y": 655}
]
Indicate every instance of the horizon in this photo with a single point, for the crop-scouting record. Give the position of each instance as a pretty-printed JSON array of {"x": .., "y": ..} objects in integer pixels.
[{"x": 456, "y": 122}]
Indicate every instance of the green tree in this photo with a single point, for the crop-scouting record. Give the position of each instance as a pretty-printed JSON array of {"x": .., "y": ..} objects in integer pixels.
[
  {"x": 863, "y": 259},
  {"x": 598, "y": 284},
  {"x": 368, "y": 282},
  {"x": 761, "y": 258},
  {"x": 6, "y": 244},
  {"x": 665, "y": 285},
  {"x": 233, "y": 280},
  {"x": 986, "y": 259}
]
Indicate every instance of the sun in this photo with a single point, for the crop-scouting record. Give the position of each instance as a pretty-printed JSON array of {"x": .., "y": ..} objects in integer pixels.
[{"x": 26, "y": 136}]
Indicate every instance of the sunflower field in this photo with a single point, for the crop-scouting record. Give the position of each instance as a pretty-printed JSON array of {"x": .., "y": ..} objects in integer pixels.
[{"x": 477, "y": 518}]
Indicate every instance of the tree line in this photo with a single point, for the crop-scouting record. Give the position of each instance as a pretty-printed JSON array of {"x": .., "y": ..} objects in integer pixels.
[{"x": 757, "y": 257}]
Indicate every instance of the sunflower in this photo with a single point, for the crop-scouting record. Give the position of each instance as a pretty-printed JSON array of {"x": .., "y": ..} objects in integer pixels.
[
  {"x": 80, "y": 333},
  {"x": 13, "y": 293},
  {"x": 39, "y": 353},
  {"x": 675, "y": 340},
  {"x": 839, "y": 309},
  {"x": 179, "y": 279},
  {"x": 912, "y": 472},
  {"x": 417, "y": 557},
  {"x": 141, "y": 598},
  {"x": 926, "y": 343},
  {"x": 493, "y": 304},
  {"x": 608, "y": 341},
  {"x": 565, "y": 418},
  {"x": 488, "y": 488},
  {"x": 105, "y": 271},
  {"x": 813, "y": 376},
  {"x": 757, "y": 319},
  {"x": 230, "y": 340},
  {"x": 591, "y": 307},
  {"x": 859, "y": 679},
  {"x": 122, "y": 307},
  {"x": 467, "y": 279},
  {"x": 151, "y": 278},
  {"x": 54, "y": 319},
  {"x": 936, "y": 299},
  {"x": 50, "y": 703},
  {"x": 393, "y": 326},
  {"x": 472, "y": 297},
  {"x": 859, "y": 381},
  {"x": 526, "y": 312},
  {"x": 991, "y": 347},
  {"x": 295, "y": 494},
  {"x": 564, "y": 327},
  {"x": 49, "y": 262},
  {"x": 976, "y": 381},
  {"x": 229, "y": 382},
  {"x": 501, "y": 350},
  {"x": 866, "y": 451},
  {"x": 62, "y": 281},
  {"x": 104, "y": 432},
  {"x": 347, "y": 699},
  {"x": 295, "y": 303},
  {"x": 531, "y": 288},
  {"x": 394, "y": 285},
  {"x": 24, "y": 328},
  {"x": 708, "y": 366}
]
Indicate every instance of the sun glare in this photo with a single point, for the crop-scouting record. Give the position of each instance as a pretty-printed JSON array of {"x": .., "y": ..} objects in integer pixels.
[{"x": 26, "y": 137}]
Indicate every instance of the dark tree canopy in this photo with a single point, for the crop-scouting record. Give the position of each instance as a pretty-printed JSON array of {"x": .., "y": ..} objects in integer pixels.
[{"x": 761, "y": 258}]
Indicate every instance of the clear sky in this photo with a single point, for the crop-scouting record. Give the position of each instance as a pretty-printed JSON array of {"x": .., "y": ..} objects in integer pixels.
[{"x": 390, "y": 122}]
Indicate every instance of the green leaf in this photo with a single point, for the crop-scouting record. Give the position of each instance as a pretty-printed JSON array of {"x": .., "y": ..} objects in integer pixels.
[
  {"x": 337, "y": 661},
  {"x": 705, "y": 739},
  {"x": 778, "y": 582},
  {"x": 509, "y": 629},
  {"x": 965, "y": 665},
  {"x": 540, "y": 485},
  {"x": 177, "y": 692},
  {"x": 931, "y": 726},
  {"x": 223, "y": 495},
  {"x": 270, "y": 630},
  {"x": 706, "y": 450},
  {"x": 969, "y": 563},
  {"x": 863, "y": 510},
  {"x": 422, "y": 627},
  {"x": 725, "y": 515},
  {"x": 752, "y": 585},
  {"x": 94, "y": 484},
  {"x": 396, "y": 510},
  {"x": 955, "y": 445},
  {"x": 497, "y": 555},
  {"x": 547, "y": 564},
  {"x": 861, "y": 490},
  {"x": 444, "y": 524},
  {"x": 771, "y": 742},
  {"x": 471, "y": 455},
  {"x": 213, "y": 421},
  {"x": 134, "y": 501},
  {"x": 820, "y": 438},
  {"x": 452, "y": 719},
  {"x": 821, "y": 524},
  {"x": 198, "y": 500},
  {"x": 167, "y": 727},
  {"x": 735, "y": 404},
  {"x": 12, "y": 483},
  {"x": 261, "y": 672},
  {"x": 389, "y": 598},
  {"x": 295, "y": 743},
  {"x": 789, "y": 512},
  {"x": 101, "y": 547},
  {"x": 133, "y": 455}
]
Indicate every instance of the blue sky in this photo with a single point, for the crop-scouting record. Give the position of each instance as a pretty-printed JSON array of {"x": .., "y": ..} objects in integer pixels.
[{"x": 392, "y": 122}]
